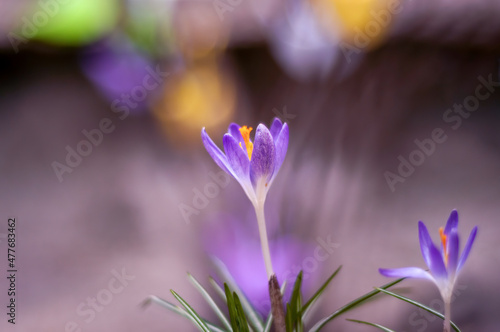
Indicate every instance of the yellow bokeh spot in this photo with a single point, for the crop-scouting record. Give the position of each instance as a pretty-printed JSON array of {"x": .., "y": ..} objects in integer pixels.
[
  {"x": 202, "y": 95},
  {"x": 361, "y": 23}
]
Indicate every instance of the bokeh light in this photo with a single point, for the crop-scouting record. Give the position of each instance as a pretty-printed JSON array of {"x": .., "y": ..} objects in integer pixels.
[{"x": 72, "y": 22}]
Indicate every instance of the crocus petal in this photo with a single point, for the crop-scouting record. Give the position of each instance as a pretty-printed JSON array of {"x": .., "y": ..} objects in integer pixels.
[
  {"x": 437, "y": 266},
  {"x": 236, "y": 157},
  {"x": 425, "y": 242},
  {"x": 467, "y": 249},
  {"x": 452, "y": 250},
  {"x": 234, "y": 130},
  {"x": 216, "y": 153},
  {"x": 452, "y": 222},
  {"x": 281, "y": 144},
  {"x": 275, "y": 128},
  {"x": 406, "y": 272},
  {"x": 263, "y": 155}
]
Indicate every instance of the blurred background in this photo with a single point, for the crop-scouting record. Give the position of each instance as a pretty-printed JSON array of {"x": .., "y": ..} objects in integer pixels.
[{"x": 393, "y": 115}]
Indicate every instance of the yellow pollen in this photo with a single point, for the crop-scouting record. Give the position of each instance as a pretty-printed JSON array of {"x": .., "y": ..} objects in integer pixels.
[
  {"x": 245, "y": 132},
  {"x": 443, "y": 241}
]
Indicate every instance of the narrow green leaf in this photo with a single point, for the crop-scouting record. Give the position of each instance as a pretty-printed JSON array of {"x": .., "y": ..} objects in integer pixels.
[
  {"x": 210, "y": 301},
  {"x": 283, "y": 287},
  {"x": 418, "y": 304},
  {"x": 178, "y": 310},
  {"x": 165, "y": 304},
  {"x": 242, "y": 320},
  {"x": 199, "y": 322},
  {"x": 269, "y": 323},
  {"x": 230, "y": 306},
  {"x": 294, "y": 299},
  {"x": 218, "y": 289},
  {"x": 383, "y": 328},
  {"x": 289, "y": 318},
  {"x": 299, "y": 326},
  {"x": 252, "y": 315},
  {"x": 320, "y": 324},
  {"x": 316, "y": 295}
]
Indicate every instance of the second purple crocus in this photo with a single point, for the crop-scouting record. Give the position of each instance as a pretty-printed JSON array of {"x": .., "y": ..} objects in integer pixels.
[{"x": 444, "y": 263}]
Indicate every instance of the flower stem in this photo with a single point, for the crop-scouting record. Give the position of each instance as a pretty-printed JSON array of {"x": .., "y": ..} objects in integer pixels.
[
  {"x": 447, "y": 314},
  {"x": 266, "y": 253}
]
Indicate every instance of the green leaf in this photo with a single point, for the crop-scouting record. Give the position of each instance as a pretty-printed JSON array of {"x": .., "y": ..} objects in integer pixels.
[
  {"x": 299, "y": 324},
  {"x": 190, "y": 311},
  {"x": 383, "y": 328},
  {"x": 178, "y": 310},
  {"x": 231, "y": 308},
  {"x": 314, "y": 298},
  {"x": 252, "y": 315},
  {"x": 198, "y": 320},
  {"x": 294, "y": 308},
  {"x": 420, "y": 305},
  {"x": 218, "y": 289},
  {"x": 269, "y": 323},
  {"x": 242, "y": 321},
  {"x": 165, "y": 304},
  {"x": 210, "y": 301},
  {"x": 289, "y": 318},
  {"x": 236, "y": 314},
  {"x": 320, "y": 324},
  {"x": 283, "y": 287}
]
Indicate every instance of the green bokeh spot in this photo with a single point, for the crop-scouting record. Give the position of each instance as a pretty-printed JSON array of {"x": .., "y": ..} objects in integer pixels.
[{"x": 72, "y": 22}]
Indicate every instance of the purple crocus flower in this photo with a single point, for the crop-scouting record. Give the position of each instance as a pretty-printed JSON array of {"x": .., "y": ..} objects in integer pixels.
[
  {"x": 253, "y": 165},
  {"x": 444, "y": 264}
]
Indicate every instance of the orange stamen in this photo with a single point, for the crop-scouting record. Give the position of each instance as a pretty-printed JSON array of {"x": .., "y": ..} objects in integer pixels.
[
  {"x": 443, "y": 241},
  {"x": 245, "y": 132}
]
